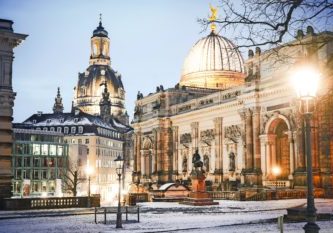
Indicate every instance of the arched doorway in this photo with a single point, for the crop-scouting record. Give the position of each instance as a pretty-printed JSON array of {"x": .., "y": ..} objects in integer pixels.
[{"x": 280, "y": 149}]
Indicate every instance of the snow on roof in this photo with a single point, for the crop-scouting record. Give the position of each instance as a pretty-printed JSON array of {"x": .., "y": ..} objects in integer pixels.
[{"x": 166, "y": 186}]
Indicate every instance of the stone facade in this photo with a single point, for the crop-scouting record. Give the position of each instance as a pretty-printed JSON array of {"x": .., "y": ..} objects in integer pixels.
[
  {"x": 8, "y": 41},
  {"x": 241, "y": 132}
]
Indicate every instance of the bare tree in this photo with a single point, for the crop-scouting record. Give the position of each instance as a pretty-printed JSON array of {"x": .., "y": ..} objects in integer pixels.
[
  {"x": 270, "y": 22},
  {"x": 73, "y": 177}
]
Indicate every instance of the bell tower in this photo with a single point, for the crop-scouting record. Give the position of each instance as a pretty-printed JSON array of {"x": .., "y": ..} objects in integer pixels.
[
  {"x": 100, "y": 46},
  {"x": 90, "y": 88}
]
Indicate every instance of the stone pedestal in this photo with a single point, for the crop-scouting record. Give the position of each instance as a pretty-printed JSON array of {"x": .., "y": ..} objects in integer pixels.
[{"x": 198, "y": 196}]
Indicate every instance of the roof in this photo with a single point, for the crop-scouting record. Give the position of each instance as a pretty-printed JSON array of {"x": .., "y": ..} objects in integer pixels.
[{"x": 75, "y": 118}]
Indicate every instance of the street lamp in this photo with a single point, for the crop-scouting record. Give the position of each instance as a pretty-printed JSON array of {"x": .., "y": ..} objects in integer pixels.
[
  {"x": 276, "y": 172},
  {"x": 89, "y": 171},
  {"x": 306, "y": 81},
  {"x": 119, "y": 169}
]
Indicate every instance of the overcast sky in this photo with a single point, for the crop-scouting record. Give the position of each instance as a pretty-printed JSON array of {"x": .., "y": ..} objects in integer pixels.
[{"x": 149, "y": 42}]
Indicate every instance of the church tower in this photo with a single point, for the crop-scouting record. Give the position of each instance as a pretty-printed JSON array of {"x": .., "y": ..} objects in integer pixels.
[
  {"x": 58, "y": 107},
  {"x": 89, "y": 89}
]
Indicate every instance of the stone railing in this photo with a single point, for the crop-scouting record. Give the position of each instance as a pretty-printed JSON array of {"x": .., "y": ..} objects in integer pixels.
[
  {"x": 225, "y": 195},
  {"x": 277, "y": 183},
  {"x": 48, "y": 203}
]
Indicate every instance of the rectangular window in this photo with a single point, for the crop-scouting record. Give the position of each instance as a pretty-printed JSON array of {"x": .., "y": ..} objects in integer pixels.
[
  {"x": 59, "y": 129},
  {"x": 79, "y": 141},
  {"x": 27, "y": 161},
  {"x": 51, "y": 162},
  {"x": 36, "y": 162},
  {"x": 52, "y": 174},
  {"x": 18, "y": 174},
  {"x": 36, "y": 149},
  {"x": 53, "y": 149},
  {"x": 17, "y": 187},
  {"x": 66, "y": 130},
  {"x": 36, "y": 174},
  {"x": 26, "y": 174},
  {"x": 45, "y": 148},
  {"x": 80, "y": 129},
  {"x": 18, "y": 162},
  {"x": 60, "y": 150},
  {"x": 44, "y": 174},
  {"x": 19, "y": 149},
  {"x": 87, "y": 140},
  {"x": 73, "y": 130},
  {"x": 43, "y": 162}
]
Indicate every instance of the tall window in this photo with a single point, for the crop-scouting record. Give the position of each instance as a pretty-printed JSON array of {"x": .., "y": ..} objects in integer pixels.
[
  {"x": 80, "y": 129},
  {"x": 66, "y": 130},
  {"x": 59, "y": 129},
  {"x": 73, "y": 130}
]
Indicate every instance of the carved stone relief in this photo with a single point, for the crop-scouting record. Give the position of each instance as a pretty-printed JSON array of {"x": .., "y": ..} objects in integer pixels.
[
  {"x": 207, "y": 136},
  {"x": 185, "y": 139},
  {"x": 232, "y": 132}
]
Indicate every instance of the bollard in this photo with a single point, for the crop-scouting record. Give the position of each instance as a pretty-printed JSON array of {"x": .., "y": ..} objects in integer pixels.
[
  {"x": 96, "y": 215},
  {"x": 126, "y": 213},
  {"x": 138, "y": 214},
  {"x": 280, "y": 223},
  {"x": 104, "y": 215}
]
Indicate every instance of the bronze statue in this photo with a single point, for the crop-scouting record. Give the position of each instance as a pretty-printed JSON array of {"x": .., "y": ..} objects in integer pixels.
[{"x": 196, "y": 160}]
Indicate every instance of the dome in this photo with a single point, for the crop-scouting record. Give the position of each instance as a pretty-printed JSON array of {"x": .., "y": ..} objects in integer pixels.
[
  {"x": 213, "y": 62},
  {"x": 100, "y": 31}
]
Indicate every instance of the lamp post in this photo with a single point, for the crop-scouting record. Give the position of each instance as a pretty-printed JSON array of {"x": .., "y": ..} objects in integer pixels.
[
  {"x": 119, "y": 169},
  {"x": 276, "y": 172},
  {"x": 89, "y": 171},
  {"x": 306, "y": 81}
]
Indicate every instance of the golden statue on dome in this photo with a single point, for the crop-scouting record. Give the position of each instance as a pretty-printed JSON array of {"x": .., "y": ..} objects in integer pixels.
[{"x": 213, "y": 17}]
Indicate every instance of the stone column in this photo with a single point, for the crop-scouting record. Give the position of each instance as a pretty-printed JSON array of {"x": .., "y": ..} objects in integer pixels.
[
  {"x": 195, "y": 141},
  {"x": 249, "y": 140},
  {"x": 158, "y": 152},
  {"x": 291, "y": 154},
  {"x": 175, "y": 160},
  {"x": 195, "y": 135},
  {"x": 256, "y": 140},
  {"x": 8, "y": 41},
  {"x": 143, "y": 165},
  {"x": 263, "y": 152},
  {"x": 138, "y": 154},
  {"x": 218, "y": 128}
]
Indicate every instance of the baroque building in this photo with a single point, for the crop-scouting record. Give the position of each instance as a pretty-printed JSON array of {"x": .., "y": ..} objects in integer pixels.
[
  {"x": 242, "y": 117},
  {"x": 8, "y": 41},
  {"x": 89, "y": 88}
]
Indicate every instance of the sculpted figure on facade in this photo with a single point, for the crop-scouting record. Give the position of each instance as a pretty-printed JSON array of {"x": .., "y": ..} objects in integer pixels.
[
  {"x": 184, "y": 164},
  {"x": 206, "y": 162},
  {"x": 232, "y": 163}
]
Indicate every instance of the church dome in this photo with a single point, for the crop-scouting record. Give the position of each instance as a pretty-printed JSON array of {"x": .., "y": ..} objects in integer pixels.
[
  {"x": 100, "y": 31},
  {"x": 213, "y": 62}
]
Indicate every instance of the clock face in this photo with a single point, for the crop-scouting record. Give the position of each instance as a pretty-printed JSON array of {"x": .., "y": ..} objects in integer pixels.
[{"x": 102, "y": 72}]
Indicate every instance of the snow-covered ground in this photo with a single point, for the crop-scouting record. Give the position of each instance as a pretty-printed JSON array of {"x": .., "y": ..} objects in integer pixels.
[{"x": 229, "y": 216}]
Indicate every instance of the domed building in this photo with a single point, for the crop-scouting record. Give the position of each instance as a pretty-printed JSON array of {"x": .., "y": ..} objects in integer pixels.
[
  {"x": 90, "y": 86},
  {"x": 213, "y": 62},
  {"x": 242, "y": 117}
]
